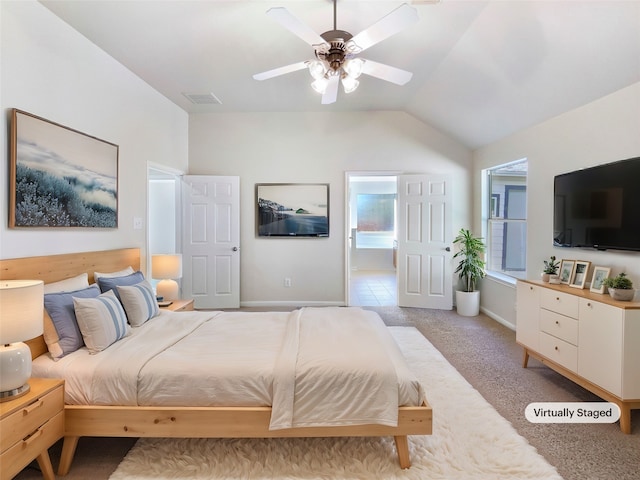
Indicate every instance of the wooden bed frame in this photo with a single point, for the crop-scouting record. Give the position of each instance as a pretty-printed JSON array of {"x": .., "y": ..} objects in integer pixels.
[{"x": 179, "y": 422}]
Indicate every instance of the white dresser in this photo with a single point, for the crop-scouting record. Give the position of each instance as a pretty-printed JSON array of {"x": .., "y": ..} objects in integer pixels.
[{"x": 587, "y": 337}]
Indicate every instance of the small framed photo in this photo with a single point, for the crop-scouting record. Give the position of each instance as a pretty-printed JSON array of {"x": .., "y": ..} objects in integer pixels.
[
  {"x": 566, "y": 271},
  {"x": 580, "y": 274},
  {"x": 599, "y": 274}
]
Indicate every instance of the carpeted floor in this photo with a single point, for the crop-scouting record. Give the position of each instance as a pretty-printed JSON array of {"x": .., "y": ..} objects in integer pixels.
[{"x": 486, "y": 354}]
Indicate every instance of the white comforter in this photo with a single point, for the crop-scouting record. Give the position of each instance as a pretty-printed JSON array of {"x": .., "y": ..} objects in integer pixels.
[{"x": 314, "y": 366}]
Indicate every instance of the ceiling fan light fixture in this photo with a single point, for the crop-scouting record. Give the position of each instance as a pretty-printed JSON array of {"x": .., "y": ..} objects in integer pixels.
[
  {"x": 317, "y": 69},
  {"x": 354, "y": 67},
  {"x": 349, "y": 83},
  {"x": 320, "y": 85}
]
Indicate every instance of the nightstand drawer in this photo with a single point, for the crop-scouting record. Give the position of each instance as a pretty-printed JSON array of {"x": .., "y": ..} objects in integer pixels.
[
  {"x": 20, "y": 454},
  {"x": 30, "y": 417}
]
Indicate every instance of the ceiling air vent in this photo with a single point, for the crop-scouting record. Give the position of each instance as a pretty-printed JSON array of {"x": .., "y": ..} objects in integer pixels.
[{"x": 203, "y": 98}]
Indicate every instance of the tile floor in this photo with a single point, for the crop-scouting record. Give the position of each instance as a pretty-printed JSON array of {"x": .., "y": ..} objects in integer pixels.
[{"x": 373, "y": 288}]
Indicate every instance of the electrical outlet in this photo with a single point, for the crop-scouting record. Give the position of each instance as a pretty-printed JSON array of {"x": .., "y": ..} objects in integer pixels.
[
  {"x": 137, "y": 223},
  {"x": 287, "y": 282}
]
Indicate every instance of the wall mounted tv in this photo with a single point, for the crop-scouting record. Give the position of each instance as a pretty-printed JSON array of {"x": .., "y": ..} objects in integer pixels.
[{"x": 598, "y": 207}]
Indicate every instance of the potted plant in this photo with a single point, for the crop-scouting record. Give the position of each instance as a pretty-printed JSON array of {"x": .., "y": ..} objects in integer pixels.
[
  {"x": 620, "y": 287},
  {"x": 550, "y": 268},
  {"x": 470, "y": 269}
]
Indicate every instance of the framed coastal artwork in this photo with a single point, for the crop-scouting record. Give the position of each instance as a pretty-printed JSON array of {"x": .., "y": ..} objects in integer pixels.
[
  {"x": 580, "y": 274},
  {"x": 60, "y": 177},
  {"x": 292, "y": 210},
  {"x": 599, "y": 275},
  {"x": 566, "y": 271}
]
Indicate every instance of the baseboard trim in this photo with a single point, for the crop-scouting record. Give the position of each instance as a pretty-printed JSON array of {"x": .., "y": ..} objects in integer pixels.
[
  {"x": 498, "y": 318},
  {"x": 284, "y": 303}
]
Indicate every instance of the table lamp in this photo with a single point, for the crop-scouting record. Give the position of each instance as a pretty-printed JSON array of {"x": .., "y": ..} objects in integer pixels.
[
  {"x": 21, "y": 318},
  {"x": 166, "y": 268}
]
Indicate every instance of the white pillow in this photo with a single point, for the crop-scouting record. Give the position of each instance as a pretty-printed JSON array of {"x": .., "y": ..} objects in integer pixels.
[
  {"x": 119, "y": 273},
  {"x": 102, "y": 321},
  {"x": 72, "y": 284},
  {"x": 139, "y": 302}
]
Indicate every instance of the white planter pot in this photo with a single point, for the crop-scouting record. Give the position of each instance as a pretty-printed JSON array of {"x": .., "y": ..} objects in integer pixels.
[{"x": 468, "y": 303}]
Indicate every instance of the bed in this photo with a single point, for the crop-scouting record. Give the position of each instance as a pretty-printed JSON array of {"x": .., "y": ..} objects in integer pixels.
[{"x": 99, "y": 414}]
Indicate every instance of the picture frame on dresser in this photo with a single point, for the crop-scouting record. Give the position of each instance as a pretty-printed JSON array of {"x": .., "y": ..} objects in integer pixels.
[
  {"x": 580, "y": 270},
  {"x": 566, "y": 271},
  {"x": 599, "y": 275}
]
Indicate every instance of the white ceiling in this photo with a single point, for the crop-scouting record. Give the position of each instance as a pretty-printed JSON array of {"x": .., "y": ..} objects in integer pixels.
[{"x": 482, "y": 69}]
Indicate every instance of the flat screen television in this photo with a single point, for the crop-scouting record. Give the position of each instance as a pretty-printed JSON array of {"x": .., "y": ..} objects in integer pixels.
[{"x": 598, "y": 207}]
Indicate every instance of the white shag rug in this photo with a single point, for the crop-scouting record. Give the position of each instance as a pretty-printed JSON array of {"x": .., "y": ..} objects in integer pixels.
[{"x": 470, "y": 440}]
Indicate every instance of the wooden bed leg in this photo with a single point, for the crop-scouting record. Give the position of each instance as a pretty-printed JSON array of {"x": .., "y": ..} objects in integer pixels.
[
  {"x": 402, "y": 447},
  {"x": 66, "y": 457},
  {"x": 525, "y": 358}
]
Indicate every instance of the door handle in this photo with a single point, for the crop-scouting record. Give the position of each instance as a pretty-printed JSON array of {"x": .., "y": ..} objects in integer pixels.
[
  {"x": 235, "y": 249},
  {"x": 448, "y": 249}
]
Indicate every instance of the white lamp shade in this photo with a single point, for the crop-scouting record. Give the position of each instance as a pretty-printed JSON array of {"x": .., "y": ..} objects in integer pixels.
[
  {"x": 166, "y": 266},
  {"x": 21, "y": 310}
]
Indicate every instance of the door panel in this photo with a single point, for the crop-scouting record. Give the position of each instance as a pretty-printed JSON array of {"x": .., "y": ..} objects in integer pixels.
[
  {"x": 211, "y": 240},
  {"x": 424, "y": 235}
]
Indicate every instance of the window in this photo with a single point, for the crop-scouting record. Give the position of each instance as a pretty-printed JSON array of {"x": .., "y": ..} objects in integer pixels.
[{"x": 507, "y": 218}]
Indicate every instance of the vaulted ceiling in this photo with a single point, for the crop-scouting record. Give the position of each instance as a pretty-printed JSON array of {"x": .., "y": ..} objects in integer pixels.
[{"x": 481, "y": 69}]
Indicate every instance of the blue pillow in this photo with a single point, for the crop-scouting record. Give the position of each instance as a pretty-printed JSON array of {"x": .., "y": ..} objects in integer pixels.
[
  {"x": 60, "y": 308},
  {"x": 110, "y": 283}
]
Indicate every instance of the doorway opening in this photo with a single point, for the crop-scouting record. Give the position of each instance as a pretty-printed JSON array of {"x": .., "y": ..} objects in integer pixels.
[{"x": 372, "y": 242}]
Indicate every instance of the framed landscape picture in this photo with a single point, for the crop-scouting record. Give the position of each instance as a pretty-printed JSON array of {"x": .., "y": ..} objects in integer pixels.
[
  {"x": 60, "y": 177},
  {"x": 599, "y": 275},
  {"x": 566, "y": 271},
  {"x": 292, "y": 210},
  {"x": 580, "y": 274}
]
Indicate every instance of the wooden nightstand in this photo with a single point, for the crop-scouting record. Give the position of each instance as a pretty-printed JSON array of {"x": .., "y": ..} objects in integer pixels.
[
  {"x": 30, "y": 424},
  {"x": 180, "y": 305}
]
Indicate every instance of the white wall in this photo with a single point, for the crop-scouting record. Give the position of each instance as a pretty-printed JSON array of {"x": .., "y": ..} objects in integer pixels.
[
  {"x": 51, "y": 70},
  {"x": 315, "y": 147},
  {"x": 600, "y": 132}
]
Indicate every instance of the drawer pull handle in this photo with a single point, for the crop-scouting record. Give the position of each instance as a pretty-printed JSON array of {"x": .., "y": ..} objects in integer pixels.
[
  {"x": 555, "y": 348},
  {"x": 557, "y": 322},
  {"x": 30, "y": 408},
  {"x": 588, "y": 304},
  {"x": 33, "y": 437},
  {"x": 558, "y": 298}
]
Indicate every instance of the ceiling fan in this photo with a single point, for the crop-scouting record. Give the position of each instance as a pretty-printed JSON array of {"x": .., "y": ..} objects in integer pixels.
[{"x": 336, "y": 52}]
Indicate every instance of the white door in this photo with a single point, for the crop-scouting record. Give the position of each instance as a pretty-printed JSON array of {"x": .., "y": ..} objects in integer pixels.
[
  {"x": 211, "y": 240},
  {"x": 424, "y": 242}
]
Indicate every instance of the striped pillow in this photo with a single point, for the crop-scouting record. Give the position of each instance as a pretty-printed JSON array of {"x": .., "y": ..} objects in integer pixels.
[
  {"x": 139, "y": 302},
  {"x": 102, "y": 321}
]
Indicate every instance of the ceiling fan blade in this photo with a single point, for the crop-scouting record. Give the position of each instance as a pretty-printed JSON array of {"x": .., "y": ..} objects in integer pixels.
[
  {"x": 331, "y": 93},
  {"x": 294, "y": 67},
  {"x": 386, "y": 72},
  {"x": 291, "y": 23},
  {"x": 389, "y": 25}
]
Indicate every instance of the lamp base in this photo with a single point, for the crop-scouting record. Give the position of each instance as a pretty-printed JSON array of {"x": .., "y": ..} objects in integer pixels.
[
  {"x": 168, "y": 289},
  {"x": 15, "y": 393},
  {"x": 15, "y": 370}
]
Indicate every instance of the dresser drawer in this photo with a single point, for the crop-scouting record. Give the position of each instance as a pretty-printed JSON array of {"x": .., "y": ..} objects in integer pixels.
[
  {"x": 564, "y": 328},
  {"x": 559, "y": 351},
  {"x": 15, "y": 458},
  {"x": 559, "y": 302},
  {"x": 30, "y": 417}
]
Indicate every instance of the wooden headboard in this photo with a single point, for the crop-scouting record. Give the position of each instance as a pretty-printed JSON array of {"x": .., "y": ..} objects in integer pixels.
[{"x": 52, "y": 268}]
